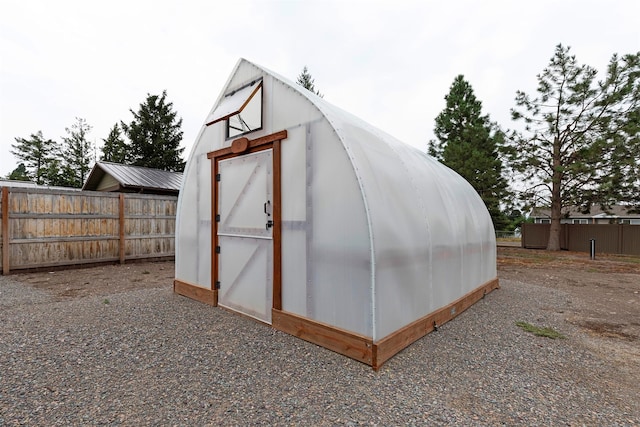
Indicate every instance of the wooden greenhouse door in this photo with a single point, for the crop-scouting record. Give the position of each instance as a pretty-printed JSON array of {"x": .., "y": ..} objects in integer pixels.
[{"x": 245, "y": 234}]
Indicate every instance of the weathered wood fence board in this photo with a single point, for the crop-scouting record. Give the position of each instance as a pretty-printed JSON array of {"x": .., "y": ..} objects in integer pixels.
[
  {"x": 47, "y": 227},
  {"x": 610, "y": 238},
  {"x": 149, "y": 226}
]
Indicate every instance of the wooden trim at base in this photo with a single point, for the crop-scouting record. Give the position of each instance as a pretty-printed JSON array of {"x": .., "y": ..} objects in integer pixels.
[
  {"x": 355, "y": 346},
  {"x": 389, "y": 346},
  {"x": 362, "y": 348},
  {"x": 197, "y": 293}
]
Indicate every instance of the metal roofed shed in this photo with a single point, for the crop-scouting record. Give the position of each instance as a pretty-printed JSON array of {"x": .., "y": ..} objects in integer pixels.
[
  {"x": 306, "y": 218},
  {"x": 107, "y": 176}
]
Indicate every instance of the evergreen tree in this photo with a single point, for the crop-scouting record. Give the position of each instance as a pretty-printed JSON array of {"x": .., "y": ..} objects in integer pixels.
[
  {"x": 155, "y": 135},
  {"x": 306, "y": 81},
  {"x": 115, "y": 148},
  {"x": 57, "y": 175},
  {"x": 19, "y": 173},
  {"x": 37, "y": 154},
  {"x": 77, "y": 155},
  {"x": 581, "y": 141},
  {"x": 469, "y": 144}
]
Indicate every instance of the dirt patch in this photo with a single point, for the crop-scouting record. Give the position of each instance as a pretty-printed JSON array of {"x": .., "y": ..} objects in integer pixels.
[
  {"x": 603, "y": 295},
  {"x": 102, "y": 280},
  {"x": 608, "y": 330}
]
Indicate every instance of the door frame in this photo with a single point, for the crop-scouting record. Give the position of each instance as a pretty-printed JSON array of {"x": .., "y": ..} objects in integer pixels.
[{"x": 237, "y": 148}]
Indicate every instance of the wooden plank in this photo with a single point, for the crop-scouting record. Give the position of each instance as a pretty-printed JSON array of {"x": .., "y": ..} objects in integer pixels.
[
  {"x": 197, "y": 293},
  {"x": 355, "y": 346},
  {"x": 143, "y": 236},
  {"x": 49, "y": 215},
  {"x": 268, "y": 139},
  {"x": 64, "y": 239},
  {"x": 121, "y": 251},
  {"x": 277, "y": 226},
  {"x": 214, "y": 229},
  {"x": 397, "y": 341},
  {"x": 5, "y": 231},
  {"x": 40, "y": 215},
  {"x": 254, "y": 143},
  {"x": 63, "y": 265}
]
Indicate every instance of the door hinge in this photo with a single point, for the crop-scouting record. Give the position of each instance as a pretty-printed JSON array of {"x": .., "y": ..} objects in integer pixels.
[
  {"x": 217, "y": 249},
  {"x": 218, "y": 218},
  {"x": 217, "y": 284},
  {"x": 218, "y": 177}
]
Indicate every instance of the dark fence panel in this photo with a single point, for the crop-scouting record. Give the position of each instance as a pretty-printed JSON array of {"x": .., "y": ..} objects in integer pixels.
[
  {"x": 609, "y": 238},
  {"x": 535, "y": 236},
  {"x": 630, "y": 236}
]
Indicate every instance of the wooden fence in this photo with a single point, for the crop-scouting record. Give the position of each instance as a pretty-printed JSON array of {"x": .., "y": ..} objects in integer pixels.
[
  {"x": 609, "y": 238},
  {"x": 46, "y": 227}
]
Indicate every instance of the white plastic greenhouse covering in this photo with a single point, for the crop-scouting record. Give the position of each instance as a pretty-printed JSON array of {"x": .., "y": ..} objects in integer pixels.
[{"x": 375, "y": 234}]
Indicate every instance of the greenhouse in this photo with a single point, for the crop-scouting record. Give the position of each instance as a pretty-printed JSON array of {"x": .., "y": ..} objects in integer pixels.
[{"x": 306, "y": 218}]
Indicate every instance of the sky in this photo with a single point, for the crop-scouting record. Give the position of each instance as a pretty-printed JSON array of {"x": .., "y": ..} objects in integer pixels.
[{"x": 389, "y": 62}]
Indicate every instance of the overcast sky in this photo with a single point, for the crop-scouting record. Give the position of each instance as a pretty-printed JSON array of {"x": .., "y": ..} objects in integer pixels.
[{"x": 390, "y": 63}]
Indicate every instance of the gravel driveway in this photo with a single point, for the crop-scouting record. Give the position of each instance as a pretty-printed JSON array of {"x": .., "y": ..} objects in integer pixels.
[{"x": 149, "y": 357}]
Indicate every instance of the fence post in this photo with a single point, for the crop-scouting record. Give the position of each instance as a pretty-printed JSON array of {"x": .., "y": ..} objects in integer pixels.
[
  {"x": 121, "y": 228},
  {"x": 5, "y": 230}
]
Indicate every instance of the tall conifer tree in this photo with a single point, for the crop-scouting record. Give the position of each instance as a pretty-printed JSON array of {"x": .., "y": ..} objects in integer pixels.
[
  {"x": 306, "y": 81},
  {"x": 19, "y": 173},
  {"x": 37, "y": 154},
  {"x": 115, "y": 148},
  {"x": 155, "y": 135},
  {"x": 77, "y": 154},
  {"x": 581, "y": 141},
  {"x": 469, "y": 144}
]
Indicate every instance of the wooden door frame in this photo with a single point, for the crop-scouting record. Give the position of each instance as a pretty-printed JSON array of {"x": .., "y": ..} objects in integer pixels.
[{"x": 237, "y": 148}]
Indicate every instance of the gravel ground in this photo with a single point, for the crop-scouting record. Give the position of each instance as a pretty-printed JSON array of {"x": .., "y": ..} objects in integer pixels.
[{"x": 149, "y": 357}]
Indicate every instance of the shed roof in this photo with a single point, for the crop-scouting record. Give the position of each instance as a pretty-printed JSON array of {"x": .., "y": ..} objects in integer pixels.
[{"x": 134, "y": 177}]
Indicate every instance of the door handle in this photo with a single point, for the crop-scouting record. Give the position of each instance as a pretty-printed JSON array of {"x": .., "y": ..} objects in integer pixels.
[{"x": 267, "y": 203}]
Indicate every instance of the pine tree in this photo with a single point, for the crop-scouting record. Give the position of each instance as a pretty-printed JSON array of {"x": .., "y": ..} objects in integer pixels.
[
  {"x": 37, "y": 154},
  {"x": 77, "y": 155},
  {"x": 306, "y": 81},
  {"x": 155, "y": 135},
  {"x": 581, "y": 141},
  {"x": 469, "y": 144},
  {"x": 115, "y": 149},
  {"x": 19, "y": 174},
  {"x": 57, "y": 175}
]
